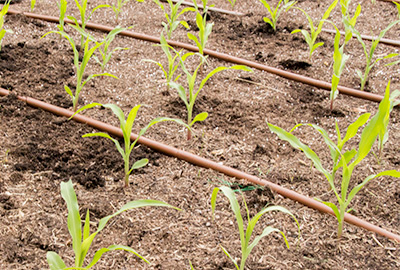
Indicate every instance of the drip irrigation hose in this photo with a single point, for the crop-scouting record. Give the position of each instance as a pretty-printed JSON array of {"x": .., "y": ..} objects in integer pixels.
[
  {"x": 366, "y": 37},
  {"x": 236, "y": 60},
  {"x": 219, "y": 10},
  {"x": 206, "y": 163},
  {"x": 398, "y": 1}
]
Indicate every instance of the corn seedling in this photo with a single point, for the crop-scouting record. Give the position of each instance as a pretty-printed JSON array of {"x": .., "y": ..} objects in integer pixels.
[
  {"x": 172, "y": 18},
  {"x": 172, "y": 67},
  {"x": 384, "y": 134},
  {"x": 348, "y": 160},
  {"x": 311, "y": 37},
  {"x": 62, "y": 6},
  {"x": 349, "y": 21},
  {"x": 84, "y": 17},
  {"x": 189, "y": 96},
  {"x": 204, "y": 27},
  {"x": 245, "y": 235},
  {"x": 369, "y": 54},
  {"x": 275, "y": 13},
  {"x": 80, "y": 67},
  {"x": 82, "y": 239},
  {"x": 117, "y": 7},
  {"x": 104, "y": 49},
  {"x": 33, "y": 3},
  {"x": 339, "y": 61},
  {"x": 126, "y": 127},
  {"x": 232, "y": 2},
  {"x": 3, "y": 12}
]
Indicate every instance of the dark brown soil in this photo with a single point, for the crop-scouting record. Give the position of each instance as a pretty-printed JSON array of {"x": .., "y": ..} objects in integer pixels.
[{"x": 38, "y": 150}]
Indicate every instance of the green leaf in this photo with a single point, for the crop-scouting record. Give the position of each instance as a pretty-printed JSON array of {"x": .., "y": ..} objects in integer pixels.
[
  {"x": 286, "y": 136},
  {"x": 334, "y": 208},
  {"x": 347, "y": 156},
  {"x": 100, "y": 252},
  {"x": 118, "y": 112},
  {"x": 133, "y": 205},
  {"x": 105, "y": 135},
  {"x": 33, "y": 3},
  {"x": 161, "y": 119},
  {"x": 267, "y": 230},
  {"x": 86, "y": 228},
  {"x": 181, "y": 91},
  {"x": 353, "y": 128},
  {"x": 91, "y": 76},
  {"x": 139, "y": 164},
  {"x": 235, "y": 208},
  {"x": 185, "y": 24},
  {"x": 230, "y": 257},
  {"x": 74, "y": 218},
  {"x": 357, "y": 188},
  {"x": 130, "y": 120},
  {"x": 54, "y": 260},
  {"x": 265, "y": 233},
  {"x": 89, "y": 106},
  {"x": 218, "y": 69},
  {"x": 373, "y": 128},
  {"x": 200, "y": 117},
  {"x": 68, "y": 90}
]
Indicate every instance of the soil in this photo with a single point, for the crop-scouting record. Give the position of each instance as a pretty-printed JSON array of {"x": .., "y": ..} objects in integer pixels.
[{"x": 39, "y": 150}]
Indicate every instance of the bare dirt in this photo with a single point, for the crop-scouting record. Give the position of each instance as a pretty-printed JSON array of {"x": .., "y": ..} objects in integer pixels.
[{"x": 38, "y": 150}]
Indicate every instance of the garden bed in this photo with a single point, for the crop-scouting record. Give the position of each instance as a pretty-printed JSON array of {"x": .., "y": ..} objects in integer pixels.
[{"x": 39, "y": 150}]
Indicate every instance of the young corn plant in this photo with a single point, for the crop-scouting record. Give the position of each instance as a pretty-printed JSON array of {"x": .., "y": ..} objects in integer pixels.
[
  {"x": 189, "y": 96},
  {"x": 245, "y": 235},
  {"x": 117, "y": 7},
  {"x": 84, "y": 17},
  {"x": 33, "y": 3},
  {"x": 232, "y": 2},
  {"x": 173, "y": 65},
  {"x": 3, "y": 12},
  {"x": 369, "y": 54},
  {"x": 105, "y": 51},
  {"x": 339, "y": 61},
  {"x": 346, "y": 160},
  {"x": 62, "y": 6},
  {"x": 275, "y": 13},
  {"x": 172, "y": 18},
  {"x": 126, "y": 125},
  {"x": 80, "y": 67},
  {"x": 348, "y": 21},
  {"x": 205, "y": 28},
  {"x": 311, "y": 37},
  {"x": 82, "y": 239},
  {"x": 384, "y": 134}
]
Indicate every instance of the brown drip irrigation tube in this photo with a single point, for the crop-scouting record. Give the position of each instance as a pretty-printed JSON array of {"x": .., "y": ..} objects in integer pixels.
[
  {"x": 366, "y": 37},
  {"x": 219, "y": 10},
  {"x": 203, "y": 162},
  {"x": 289, "y": 75}
]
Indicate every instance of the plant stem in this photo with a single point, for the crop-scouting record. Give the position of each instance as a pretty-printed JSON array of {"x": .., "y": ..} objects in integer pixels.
[
  {"x": 341, "y": 220},
  {"x": 126, "y": 180},
  {"x": 189, "y": 132},
  {"x": 364, "y": 80}
]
